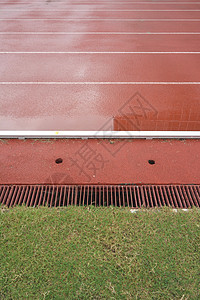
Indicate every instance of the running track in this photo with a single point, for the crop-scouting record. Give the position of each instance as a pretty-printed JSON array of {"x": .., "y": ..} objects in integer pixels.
[
  {"x": 80, "y": 65},
  {"x": 72, "y": 65}
]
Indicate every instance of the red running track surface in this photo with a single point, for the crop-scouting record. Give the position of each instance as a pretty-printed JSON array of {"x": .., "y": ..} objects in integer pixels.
[
  {"x": 59, "y": 69},
  {"x": 99, "y": 161},
  {"x": 99, "y": 89}
]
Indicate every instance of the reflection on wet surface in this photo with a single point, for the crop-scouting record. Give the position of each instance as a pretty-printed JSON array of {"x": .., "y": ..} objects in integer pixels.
[
  {"x": 138, "y": 114},
  {"x": 93, "y": 108},
  {"x": 131, "y": 124},
  {"x": 37, "y": 100}
]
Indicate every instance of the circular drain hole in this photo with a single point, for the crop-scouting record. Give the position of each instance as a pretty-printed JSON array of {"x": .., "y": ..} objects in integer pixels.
[
  {"x": 151, "y": 162},
  {"x": 59, "y": 161}
]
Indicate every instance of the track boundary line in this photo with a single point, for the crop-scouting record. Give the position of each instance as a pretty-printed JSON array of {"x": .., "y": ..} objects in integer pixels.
[
  {"x": 90, "y": 19},
  {"x": 98, "y": 52},
  {"x": 96, "y": 33},
  {"x": 119, "y": 10},
  {"x": 99, "y": 134},
  {"x": 98, "y": 83},
  {"x": 105, "y": 2},
  {"x": 108, "y": 2}
]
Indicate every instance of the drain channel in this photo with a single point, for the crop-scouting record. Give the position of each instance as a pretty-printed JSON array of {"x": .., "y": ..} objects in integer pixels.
[{"x": 176, "y": 196}]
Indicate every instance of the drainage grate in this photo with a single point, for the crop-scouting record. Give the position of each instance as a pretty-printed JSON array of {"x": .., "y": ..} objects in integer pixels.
[{"x": 177, "y": 196}]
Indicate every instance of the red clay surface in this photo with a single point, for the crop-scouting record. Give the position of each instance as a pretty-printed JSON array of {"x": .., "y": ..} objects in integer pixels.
[
  {"x": 99, "y": 161},
  {"x": 92, "y": 93}
]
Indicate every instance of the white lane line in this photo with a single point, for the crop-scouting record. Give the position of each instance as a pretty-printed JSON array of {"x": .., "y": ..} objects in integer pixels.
[
  {"x": 96, "y": 52},
  {"x": 118, "y": 20},
  {"x": 95, "y": 33},
  {"x": 105, "y": 2},
  {"x": 97, "y": 83},
  {"x": 91, "y": 10}
]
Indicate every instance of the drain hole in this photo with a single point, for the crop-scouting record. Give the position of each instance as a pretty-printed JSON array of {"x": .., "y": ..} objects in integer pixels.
[
  {"x": 59, "y": 161},
  {"x": 151, "y": 162}
]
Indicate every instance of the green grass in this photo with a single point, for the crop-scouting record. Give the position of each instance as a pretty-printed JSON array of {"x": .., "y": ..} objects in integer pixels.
[{"x": 99, "y": 253}]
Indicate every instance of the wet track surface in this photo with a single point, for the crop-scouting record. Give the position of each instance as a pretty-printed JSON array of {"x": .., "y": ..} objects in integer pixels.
[
  {"x": 108, "y": 65},
  {"x": 73, "y": 65}
]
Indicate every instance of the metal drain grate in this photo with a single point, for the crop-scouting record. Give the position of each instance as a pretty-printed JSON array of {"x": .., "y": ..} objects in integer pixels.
[{"x": 177, "y": 196}]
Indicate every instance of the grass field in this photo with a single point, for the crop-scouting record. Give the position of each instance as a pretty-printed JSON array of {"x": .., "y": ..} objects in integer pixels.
[{"x": 99, "y": 253}]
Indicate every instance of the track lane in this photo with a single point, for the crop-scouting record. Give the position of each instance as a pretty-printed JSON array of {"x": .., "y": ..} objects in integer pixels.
[
  {"x": 99, "y": 67},
  {"x": 97, "y": 26},
  {"x": 100, "y": 14},
  {"x": 98, "y": 6},
  {"x": 67, "y": 107},
  {"x": 99, "y": 43}
]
